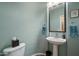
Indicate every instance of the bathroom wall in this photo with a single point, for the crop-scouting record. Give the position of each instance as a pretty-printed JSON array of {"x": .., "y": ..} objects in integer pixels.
[
  {"x": 73, "y": 43},
  {"x": 25, "y": 21}
]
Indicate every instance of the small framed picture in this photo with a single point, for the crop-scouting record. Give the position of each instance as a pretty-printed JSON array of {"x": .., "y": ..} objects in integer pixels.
[{"x": 74, "y": 13}]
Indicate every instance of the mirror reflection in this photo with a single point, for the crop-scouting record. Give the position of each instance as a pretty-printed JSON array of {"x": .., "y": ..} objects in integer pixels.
[{"x": 57, "y": 17}]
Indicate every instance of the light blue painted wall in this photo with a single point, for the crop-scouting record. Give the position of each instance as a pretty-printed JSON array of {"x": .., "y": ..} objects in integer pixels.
[
  {"x": 73, "y": 44},
  {"x": 25, "y": 21}
]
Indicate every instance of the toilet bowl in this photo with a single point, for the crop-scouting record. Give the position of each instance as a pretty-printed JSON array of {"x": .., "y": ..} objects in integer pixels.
[
  {"x": 39, "y": 54},
  {"x": 15, "y": 51}
]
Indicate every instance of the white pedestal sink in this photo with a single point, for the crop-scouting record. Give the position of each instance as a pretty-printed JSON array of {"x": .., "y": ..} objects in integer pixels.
[{"x": 55, "y": 42}]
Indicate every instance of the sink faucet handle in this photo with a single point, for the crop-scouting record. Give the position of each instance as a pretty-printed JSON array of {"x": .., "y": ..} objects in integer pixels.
[{"x": 63, "y": 36}]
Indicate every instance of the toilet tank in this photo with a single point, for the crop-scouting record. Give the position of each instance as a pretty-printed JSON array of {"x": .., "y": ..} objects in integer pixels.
[{"x": 15, "y": 51}]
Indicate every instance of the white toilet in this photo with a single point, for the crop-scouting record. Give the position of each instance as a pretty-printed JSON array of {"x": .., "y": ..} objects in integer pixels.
[{"x": 15, "y": 51}]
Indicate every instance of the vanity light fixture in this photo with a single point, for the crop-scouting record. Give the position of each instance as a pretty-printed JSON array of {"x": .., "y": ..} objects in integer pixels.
[{"x": 50, "y": 4}]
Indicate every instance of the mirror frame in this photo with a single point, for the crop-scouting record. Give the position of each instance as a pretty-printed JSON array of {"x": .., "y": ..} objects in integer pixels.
[{"x": 64, "y": 19}]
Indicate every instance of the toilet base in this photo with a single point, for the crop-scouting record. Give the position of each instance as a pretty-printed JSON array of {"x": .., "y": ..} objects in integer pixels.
[{"x": 39, "y": 54}]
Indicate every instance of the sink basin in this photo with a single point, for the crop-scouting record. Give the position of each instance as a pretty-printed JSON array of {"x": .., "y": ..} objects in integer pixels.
[{"x": 56, "y": 41}]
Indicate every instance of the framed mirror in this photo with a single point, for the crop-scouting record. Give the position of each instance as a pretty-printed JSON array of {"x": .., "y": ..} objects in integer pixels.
[{"x": 57, "y": 18}]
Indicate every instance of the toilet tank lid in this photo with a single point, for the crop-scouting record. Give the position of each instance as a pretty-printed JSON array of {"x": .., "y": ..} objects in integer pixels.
[{"x": 10, "y": 49}]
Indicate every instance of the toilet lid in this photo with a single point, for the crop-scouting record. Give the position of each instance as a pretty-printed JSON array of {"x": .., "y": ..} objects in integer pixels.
[{"x": 10, "y": 49}]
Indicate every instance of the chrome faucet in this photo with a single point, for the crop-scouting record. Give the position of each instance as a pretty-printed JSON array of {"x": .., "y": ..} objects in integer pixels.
[{"x": 56, "y": 35}]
